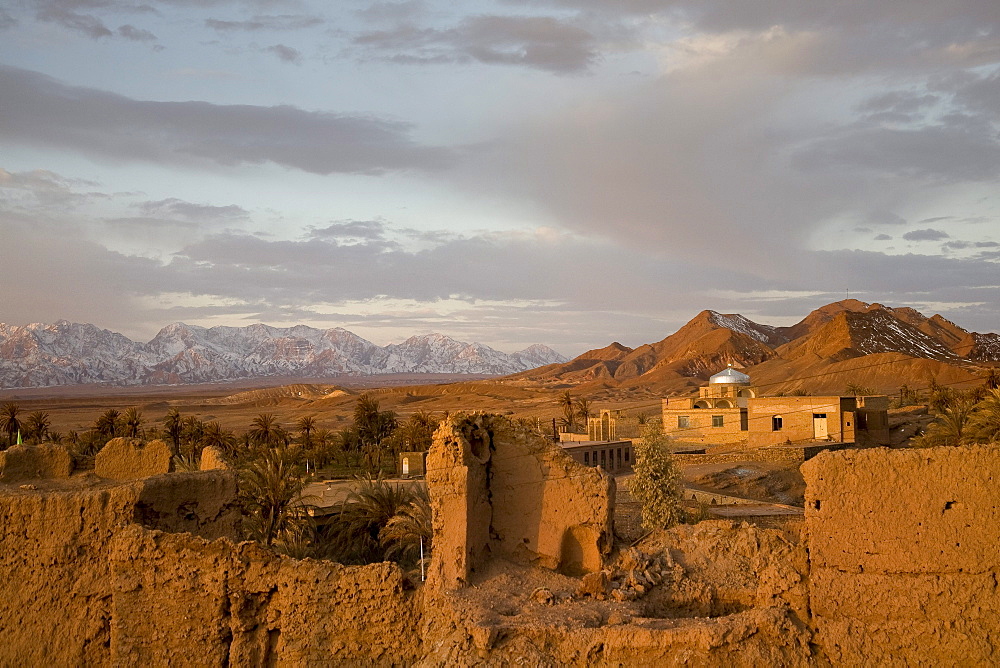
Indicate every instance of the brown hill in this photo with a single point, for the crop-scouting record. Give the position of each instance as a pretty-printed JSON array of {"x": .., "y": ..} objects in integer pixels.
[
  {"x": 821, "y": 316},
  {"x": 845, "y": 342},
  {"x": 601, "y": 363}
]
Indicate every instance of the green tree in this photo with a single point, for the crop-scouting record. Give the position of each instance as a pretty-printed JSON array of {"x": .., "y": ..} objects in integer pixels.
[
  {"x": 373, "y": 427},
  {"x": 108, "y": 424},
  {"x": 270, "y": 494},
  {"x": 655, "y": 484},
  {"x": 402, "y": 535},
  {"x": 568, "y": 405},
  {"x": 215, "y": 436},
  {"x": 950, "y": 424},
  {"x": 36, "y": 427},
  {"x": 306, "y": 426},
  {"x": 132, "y": 422},
  {"x": 192, "y": 431},
  {"x": 9, "y": 421},
  {"x": 416, "y": 432},
  {"x": 173, "y": 427},
  {"x": 984, "y": 423},
  {"x": 354, "y": 536},
  {"x": 265, "y": 430},
  {"x": 858, "y": 390}
]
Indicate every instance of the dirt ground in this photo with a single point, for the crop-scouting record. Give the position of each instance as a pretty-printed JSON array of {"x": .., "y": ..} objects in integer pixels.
[{"x": 772, "y": 482}]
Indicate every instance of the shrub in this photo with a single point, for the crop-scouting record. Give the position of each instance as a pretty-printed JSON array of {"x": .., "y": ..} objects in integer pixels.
[{"x": 656, "y": 484}]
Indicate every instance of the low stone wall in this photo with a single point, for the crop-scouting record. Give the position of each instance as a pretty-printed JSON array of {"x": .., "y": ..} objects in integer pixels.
[
  {"x": 54, "y": 547},
  {"x": 181, "y": 600},
  {"x": 782, "y": 453},
  {"x": 904, "y": 558}
]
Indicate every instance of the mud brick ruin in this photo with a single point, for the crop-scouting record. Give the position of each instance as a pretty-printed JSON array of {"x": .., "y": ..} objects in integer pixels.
[{"x": 898, "y": 564}]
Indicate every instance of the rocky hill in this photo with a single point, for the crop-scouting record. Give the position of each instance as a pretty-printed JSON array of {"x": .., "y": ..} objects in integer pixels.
[
  {"x": 844, "y": 342},
  {"x": 67, "y": 353}
]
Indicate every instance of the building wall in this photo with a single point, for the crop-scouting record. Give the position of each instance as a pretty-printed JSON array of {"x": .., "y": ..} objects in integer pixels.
[
  {"x": 700, "y": 427},
  {"x": 903, "y": 558},
  {"x": 612, "y": 456},
  {"x": 797, "y": 422}
]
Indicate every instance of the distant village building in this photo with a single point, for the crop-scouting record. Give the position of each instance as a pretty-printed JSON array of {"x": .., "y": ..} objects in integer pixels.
[
  {"x": 730, "y": 410},
  {"x": 611, "y": 455}
]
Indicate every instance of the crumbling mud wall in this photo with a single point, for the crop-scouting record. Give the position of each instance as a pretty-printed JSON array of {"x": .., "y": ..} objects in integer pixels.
[
  {"x": 28, "y": 462},
  {"x": 499, "y": 490},
  {"x": 904, "y": 556},
  {"x": 181, "y": 600},
  {"x": 714, "y": 594},
  {"x": 132, "y": 458},
  {"x": 54, "y": 547}
]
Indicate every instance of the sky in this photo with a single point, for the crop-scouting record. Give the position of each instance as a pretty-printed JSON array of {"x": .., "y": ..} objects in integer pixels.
[{"x": 566, "y": 172}]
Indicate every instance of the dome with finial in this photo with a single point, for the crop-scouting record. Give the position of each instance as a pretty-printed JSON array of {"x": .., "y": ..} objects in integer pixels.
[{"x": 731, "y": 376}]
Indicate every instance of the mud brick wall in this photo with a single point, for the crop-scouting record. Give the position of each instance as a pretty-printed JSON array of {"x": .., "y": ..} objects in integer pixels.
[
  {"x": 904, "y": 551},
  {"x": 182, "y": 600},
  {"x": 54, "y": 546}
]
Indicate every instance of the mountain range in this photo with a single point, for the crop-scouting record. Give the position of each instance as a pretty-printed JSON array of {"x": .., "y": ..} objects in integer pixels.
[
  {"x": 68, "y": 353},
  {"x": 849, "y": 341}
]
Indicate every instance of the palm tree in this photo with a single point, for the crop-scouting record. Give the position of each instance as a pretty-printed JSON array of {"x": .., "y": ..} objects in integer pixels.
[
  {"x": 583, "y": 410},
  {"x": 108, "y": 424},
  {"x": 306, "y": 425},
  {"x": 36, "y": 427},
  {"x": 192, "y": 431},
  {"x": 984, "y": 424},
  {"x": 132, "y": 422},
  {"x": 173, "y": 426},
  {"x": 214, "y": 435},
  {"x": 271, "y": 485},
  {"x": 9, "y": 421},
  {"x": 402, "y": 535},
  {"x": 363, "y": 515},
  {"x": 568, "y": 405},
  {"x": 949, "y": 427},
  {"x": 264, "y": 430}
]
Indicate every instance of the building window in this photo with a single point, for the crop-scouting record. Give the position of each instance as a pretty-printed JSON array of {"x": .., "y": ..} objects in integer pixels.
[
  {"x": 683, "y": 422},
  {"x": 776, "y": 423},
  {"x": 716, "y": 420},
  {"x": 626, "y": 455},
  {"x": 619, "y": 459},
  {"x": 604, "y": 459},
  {"x": 586, "y": 459}
]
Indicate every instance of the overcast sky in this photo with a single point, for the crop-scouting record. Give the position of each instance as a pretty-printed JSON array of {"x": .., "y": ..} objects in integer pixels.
[{"x": 569, "y": 172}]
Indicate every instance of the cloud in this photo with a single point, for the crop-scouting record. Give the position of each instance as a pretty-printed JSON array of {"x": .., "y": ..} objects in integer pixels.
[
  {"x": 45, "y": 112},
  {"x": 367, "y": 230},
  {"x": 178, "y": 208},
  {"x": 85, "y": 24},
  {"x": 540, "y": 42},
  {"x": 42, "y": 188},
  {"x": 6, "y": 20},
  {"x": 266, "y": 22},
  {"x": 883, "y": 237},
  {"x": 881, "y": 217},
  {"x": 134, "y": 34},
  {"x": 285, "y": 53},
  {"x": 925, "y": 235}
]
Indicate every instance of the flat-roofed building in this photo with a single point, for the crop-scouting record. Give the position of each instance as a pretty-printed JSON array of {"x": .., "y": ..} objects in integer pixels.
[{"x": 730, "y": 410}]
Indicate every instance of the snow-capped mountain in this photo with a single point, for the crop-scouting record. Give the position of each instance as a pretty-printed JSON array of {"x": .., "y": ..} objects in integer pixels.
[{"x": 67, "y": 353}]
